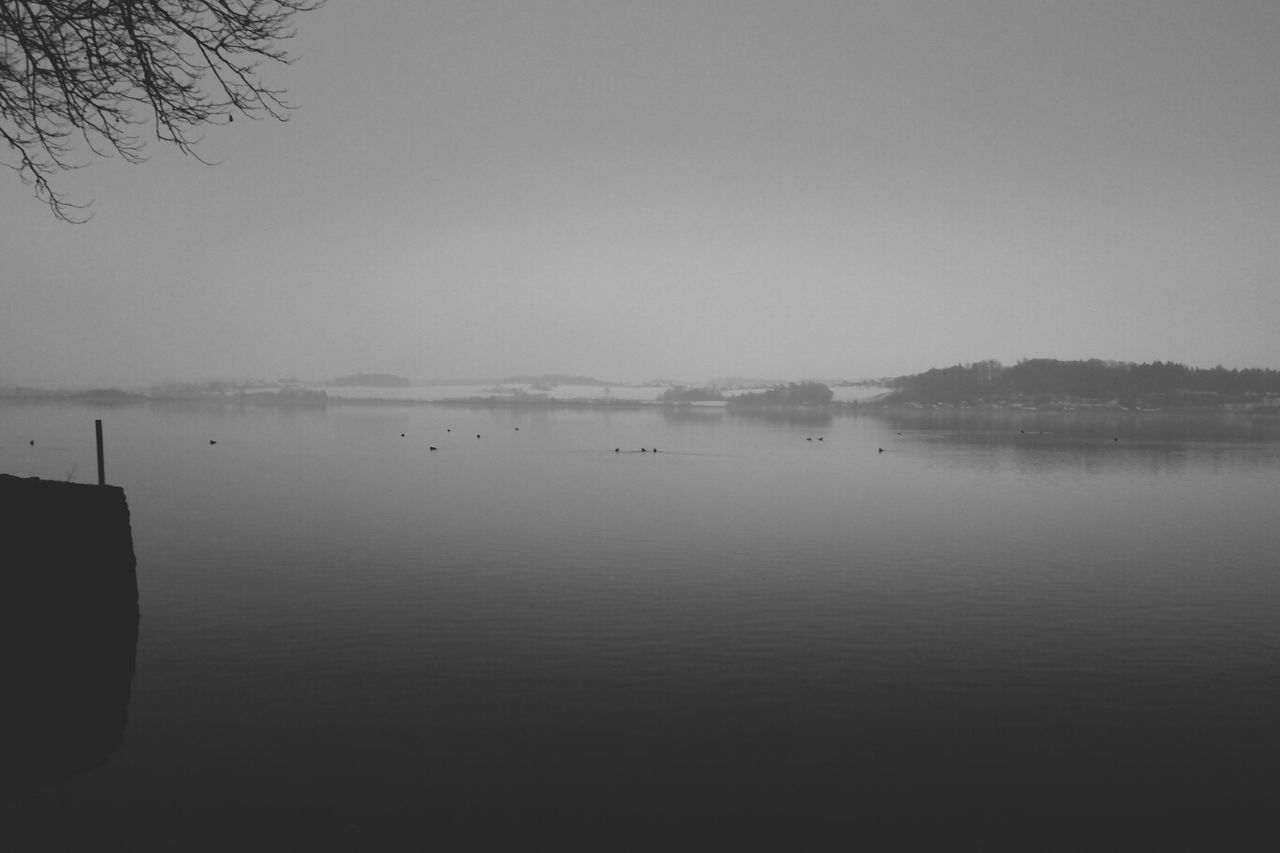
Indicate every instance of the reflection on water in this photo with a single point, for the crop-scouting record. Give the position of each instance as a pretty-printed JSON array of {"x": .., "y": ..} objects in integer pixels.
[
  {"x": 66, "y": 684},
  {"x": 346, "y": 629},
  {"x": 1098, "y": 442},
  {"x": 784, "y": 417},
  {"x": 1049, "y": 427}
]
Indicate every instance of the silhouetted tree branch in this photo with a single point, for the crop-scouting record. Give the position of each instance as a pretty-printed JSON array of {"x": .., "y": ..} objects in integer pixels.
[{"x": 91, "y": 71}]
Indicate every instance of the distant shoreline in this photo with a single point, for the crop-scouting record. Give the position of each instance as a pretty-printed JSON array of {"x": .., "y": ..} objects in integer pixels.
[{"x": 1266, "y": 408}]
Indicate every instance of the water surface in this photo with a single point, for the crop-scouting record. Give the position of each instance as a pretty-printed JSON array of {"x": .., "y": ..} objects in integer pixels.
[{"x": 342, "y": 628}]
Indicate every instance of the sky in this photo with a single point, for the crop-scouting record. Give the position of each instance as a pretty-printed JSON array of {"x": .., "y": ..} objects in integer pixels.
[{"x": 692, "y": 190}]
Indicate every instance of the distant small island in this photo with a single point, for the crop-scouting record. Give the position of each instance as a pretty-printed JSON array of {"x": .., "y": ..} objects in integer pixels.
[
  {"x": 679, "y": 394},
  {"x": 790, "y": 396},
  {"x": 370, "y": 380}
]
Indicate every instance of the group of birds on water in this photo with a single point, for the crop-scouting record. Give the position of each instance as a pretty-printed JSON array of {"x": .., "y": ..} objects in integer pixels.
[
  {"x": 878, "y": 449},
  {"x": 643, "y": 449},
  {"x": 615, "y": 450}
]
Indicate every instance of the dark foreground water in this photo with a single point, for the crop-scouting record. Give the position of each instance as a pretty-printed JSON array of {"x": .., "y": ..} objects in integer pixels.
[{"x": 345, "y": 633}]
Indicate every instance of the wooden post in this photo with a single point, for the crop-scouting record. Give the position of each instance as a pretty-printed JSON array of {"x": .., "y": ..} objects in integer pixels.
[{"x": 102, "y": 477}]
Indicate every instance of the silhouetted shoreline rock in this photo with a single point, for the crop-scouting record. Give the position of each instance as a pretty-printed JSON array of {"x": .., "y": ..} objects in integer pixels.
[{"x": 68, "y": 629}]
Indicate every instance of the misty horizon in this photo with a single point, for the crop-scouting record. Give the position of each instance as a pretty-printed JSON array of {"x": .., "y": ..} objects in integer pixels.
[{"x": 527, "y": 377}]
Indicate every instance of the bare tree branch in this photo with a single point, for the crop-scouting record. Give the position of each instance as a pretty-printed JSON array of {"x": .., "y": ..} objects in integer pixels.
[{"x": 91, "y": 71}]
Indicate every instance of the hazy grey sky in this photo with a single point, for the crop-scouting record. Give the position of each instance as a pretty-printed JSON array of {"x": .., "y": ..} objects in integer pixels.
[{"x": 697, "y": 189}]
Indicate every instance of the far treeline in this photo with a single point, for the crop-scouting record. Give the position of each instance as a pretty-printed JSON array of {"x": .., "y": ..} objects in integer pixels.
[{"x": 1045, "y": 381}]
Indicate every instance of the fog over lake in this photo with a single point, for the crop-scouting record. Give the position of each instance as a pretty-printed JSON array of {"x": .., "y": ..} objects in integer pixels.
[{"x": 343, "y": 630}]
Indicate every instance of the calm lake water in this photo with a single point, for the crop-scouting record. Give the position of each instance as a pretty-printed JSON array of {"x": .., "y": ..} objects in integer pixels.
[{"x": 343, "y": 629}]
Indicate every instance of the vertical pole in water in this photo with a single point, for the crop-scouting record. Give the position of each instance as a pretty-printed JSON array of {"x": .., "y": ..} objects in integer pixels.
[{"x": 102, "y": 477}]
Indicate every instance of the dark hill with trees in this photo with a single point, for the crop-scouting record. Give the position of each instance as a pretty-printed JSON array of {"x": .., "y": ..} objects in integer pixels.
[{"x": 1047, "y": 382}]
